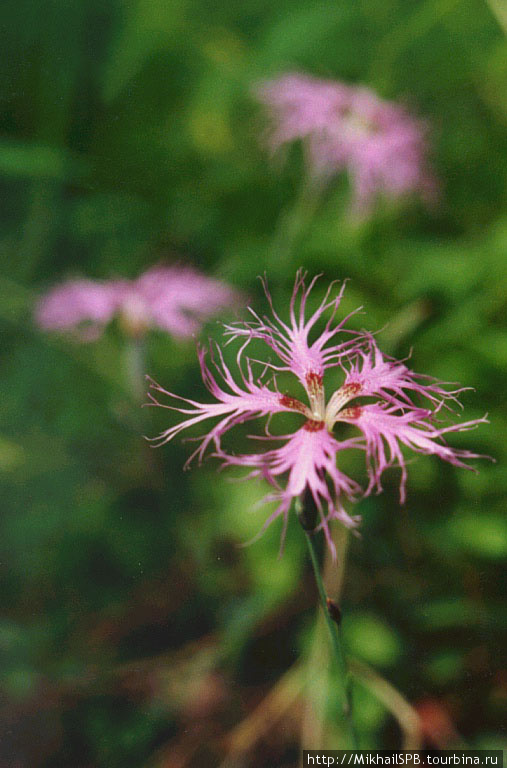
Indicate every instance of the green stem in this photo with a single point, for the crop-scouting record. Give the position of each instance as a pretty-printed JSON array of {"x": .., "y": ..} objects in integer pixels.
[
  {"x": 336, "y": 641},
  {"x": 135, "y": 368},
  {"x": 499, "y": 11},
  {"x": 294, "y": 221}
]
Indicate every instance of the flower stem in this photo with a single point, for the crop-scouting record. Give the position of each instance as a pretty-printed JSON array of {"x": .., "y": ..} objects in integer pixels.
[
  {"x": 134, "y": 353},
  {"x": 334, "y": 626},
  {"x": 294, "y": 221},
  {"x": 499, "y": 11}
]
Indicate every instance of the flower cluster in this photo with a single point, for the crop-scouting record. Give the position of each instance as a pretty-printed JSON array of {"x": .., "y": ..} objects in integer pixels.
[
  {"x": 173, "y": 298},
  {"x": 306, "y": 460},
  {"x": 346, "y": 128}
]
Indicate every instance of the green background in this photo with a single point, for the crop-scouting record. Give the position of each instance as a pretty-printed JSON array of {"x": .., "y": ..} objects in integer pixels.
[{"x": 135, "y": 631}]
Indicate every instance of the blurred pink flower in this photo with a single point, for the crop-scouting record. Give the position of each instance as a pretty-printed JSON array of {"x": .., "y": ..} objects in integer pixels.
[
  {"x": 174, "y": 298},
  {"x": 306, "y": 461},
  {"x": 349, "y": 128}
]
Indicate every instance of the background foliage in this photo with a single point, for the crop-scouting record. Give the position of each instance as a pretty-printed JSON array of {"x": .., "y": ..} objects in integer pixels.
[{"x": 135, "y": 632}]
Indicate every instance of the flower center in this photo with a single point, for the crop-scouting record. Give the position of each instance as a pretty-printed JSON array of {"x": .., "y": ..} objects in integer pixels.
[
  {"x": 353, "y": 125},
  {"x": 134, "y": 316},
  {"x": 313, "y": 426},
  {"x": 318, "y": 415}
]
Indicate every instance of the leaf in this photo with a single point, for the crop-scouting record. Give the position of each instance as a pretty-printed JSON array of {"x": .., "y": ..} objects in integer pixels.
[
  {"x": 482, "y": 534},
  {"x": 370, "y": 638}
]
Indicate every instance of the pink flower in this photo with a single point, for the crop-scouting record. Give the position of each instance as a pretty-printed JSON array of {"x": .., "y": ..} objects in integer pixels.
[
  {"x": 71, "y": 304},
  {"x": 306, "y": 460},
  {"x": 173, "y": 298},
  {"x": 349, "y": 128}
]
